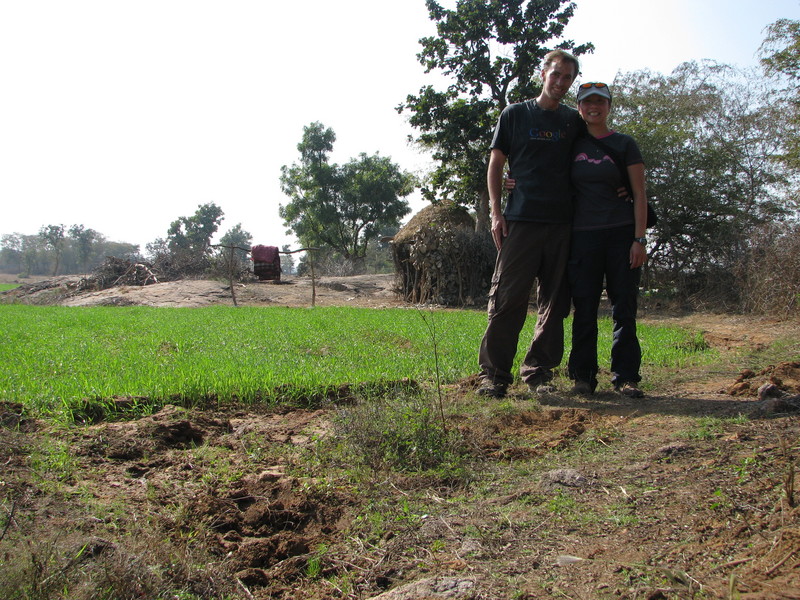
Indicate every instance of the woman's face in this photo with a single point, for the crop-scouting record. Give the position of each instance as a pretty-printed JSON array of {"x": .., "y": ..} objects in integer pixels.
[{"x": 594, "y": 109}]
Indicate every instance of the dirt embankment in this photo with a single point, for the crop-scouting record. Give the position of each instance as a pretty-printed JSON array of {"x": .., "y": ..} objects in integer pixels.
[{"x": 374, "y": 291}]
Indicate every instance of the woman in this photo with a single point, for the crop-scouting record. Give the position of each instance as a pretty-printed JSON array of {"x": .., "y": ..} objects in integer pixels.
[{"x": 608, "y": 244}]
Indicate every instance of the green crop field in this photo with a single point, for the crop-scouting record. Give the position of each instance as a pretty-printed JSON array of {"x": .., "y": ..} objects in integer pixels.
[{"x": 54, "y": 359}]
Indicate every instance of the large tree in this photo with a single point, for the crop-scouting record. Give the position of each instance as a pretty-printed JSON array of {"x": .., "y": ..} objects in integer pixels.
[
  {"x": 233, "y": 252},
  {"x": 341, "y": 208},
  {"x": 186, "y": 249},
  {"x": 84, "y": 241},
  {"x": 492, "y": 50},
  {"x": 708, "y": 134},
  {"x": 193, "y": 234},
  {"x": 53, "y": 238}
]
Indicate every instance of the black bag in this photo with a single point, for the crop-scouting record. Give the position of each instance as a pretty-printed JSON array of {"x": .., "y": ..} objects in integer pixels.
[{"x": 652, "y": 217}]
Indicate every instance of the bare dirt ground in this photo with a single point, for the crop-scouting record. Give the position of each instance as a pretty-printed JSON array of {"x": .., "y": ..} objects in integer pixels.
[
  {"x": 373, "y": 291},
  {"x": 687, "y": 493}
]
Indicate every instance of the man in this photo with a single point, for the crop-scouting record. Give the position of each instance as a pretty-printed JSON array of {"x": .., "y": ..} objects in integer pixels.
[{"x": 532, "y": 236}]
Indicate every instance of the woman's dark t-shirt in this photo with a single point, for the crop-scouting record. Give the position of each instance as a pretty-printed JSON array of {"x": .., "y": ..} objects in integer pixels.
[{"x": 596, "y": 178}]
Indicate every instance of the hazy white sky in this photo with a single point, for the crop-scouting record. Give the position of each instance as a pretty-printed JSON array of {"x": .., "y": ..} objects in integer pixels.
[{"x": 124, "y": 115}]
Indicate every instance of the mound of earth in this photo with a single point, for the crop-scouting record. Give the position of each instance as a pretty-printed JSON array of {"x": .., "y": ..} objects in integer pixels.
[
  {"x": 374, "y": 291},
  {"x": 784, "y": 376}
]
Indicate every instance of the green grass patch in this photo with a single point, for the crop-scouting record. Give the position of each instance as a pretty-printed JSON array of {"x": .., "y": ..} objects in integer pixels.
[
  {"x": 661, "y": 346},
  {"x": 775, "y": 353},
  {"x": 710, "y": 428},
  {"x": 4, "y": 287},
  {"x": 53, "y": 359}
]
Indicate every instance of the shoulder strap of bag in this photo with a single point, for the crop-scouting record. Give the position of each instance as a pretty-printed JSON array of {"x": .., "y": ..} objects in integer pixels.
[
  {"x": 618, "y": 160},
  {"x": 652, "y": 217}
]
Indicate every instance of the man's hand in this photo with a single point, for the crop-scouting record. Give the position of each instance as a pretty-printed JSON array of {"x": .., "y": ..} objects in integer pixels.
[
  {"x": 494, "y": 182},
  {"x": 499, "y": 229}
]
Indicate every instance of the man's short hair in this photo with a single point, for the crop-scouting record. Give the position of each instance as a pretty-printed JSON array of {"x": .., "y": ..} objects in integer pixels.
[{"x": 562, "y": 55}]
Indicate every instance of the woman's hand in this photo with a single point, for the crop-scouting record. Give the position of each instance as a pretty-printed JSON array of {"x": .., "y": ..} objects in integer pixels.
[{"x": 638, "y": 255}]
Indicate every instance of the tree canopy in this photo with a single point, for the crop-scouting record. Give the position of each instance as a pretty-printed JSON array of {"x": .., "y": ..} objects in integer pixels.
[
  {"x": 708, "y": 134},
  {"x": 84, "y": 240},
  {"x": 186, "y": 249},
  {"x": 234, "y": 251},
  {"x": 53, "y": 237},
  {"x": 492, "y": 51},
  {"x": 193, "y": 234},
  {"x": 341, "y": 208},
  {"x": 780, "y": 51}
]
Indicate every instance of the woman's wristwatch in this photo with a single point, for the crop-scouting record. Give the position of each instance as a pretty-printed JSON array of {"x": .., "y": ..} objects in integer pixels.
[{"x": 641, "y": 240}]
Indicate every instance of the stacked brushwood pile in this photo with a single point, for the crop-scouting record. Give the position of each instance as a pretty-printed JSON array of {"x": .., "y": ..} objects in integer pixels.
[
  {"x": 180, "y": 264},
  {"x": 440, "y": 258},
  {"x": 118, "y": 271}
]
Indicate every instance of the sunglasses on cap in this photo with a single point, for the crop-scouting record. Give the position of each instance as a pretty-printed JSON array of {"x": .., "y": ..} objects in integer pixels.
[{"x": 593, "y": 87}]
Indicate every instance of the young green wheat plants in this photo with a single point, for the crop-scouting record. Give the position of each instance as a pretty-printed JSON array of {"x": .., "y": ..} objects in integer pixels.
[{"x": 54, "y": 360}]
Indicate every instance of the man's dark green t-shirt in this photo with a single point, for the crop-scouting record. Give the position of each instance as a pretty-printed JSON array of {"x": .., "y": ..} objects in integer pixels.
[{"x": 538, "y": 144}]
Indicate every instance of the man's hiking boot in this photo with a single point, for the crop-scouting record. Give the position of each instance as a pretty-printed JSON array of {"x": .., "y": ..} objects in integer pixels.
[
  {"x": 629, "y": 389},
  {"x": 541, "y": 383},
  {"x": 542, "y": 388},
  {"x": 584, "y": 388},
  {"x": 492, "y": 389}
]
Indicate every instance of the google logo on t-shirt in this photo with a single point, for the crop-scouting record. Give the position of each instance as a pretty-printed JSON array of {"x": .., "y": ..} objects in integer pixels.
[{"x": 546, "y": 136}]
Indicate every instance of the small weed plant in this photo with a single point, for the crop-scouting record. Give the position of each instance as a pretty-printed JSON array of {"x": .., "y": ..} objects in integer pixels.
[{"x": 400, "y": 433}]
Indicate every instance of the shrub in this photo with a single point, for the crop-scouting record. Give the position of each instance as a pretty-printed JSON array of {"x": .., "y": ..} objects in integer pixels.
[{"x": 770, "y": 274}]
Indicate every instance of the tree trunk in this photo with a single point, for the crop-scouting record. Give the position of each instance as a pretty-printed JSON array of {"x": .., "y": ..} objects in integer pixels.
[
  {"x": 359, "y": 264},
  {"x": 482, "y": 214}
]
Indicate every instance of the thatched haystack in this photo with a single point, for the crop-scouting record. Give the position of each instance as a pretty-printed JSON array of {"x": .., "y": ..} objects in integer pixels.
[{"x": 440, "y": 258}]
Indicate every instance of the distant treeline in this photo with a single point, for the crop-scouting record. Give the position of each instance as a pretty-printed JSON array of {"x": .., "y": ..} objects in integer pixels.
[{"x": 57, "y": 249}]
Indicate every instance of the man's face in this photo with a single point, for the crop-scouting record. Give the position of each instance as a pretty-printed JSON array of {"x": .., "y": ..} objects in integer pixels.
[{"x": 557, "y": 79}]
